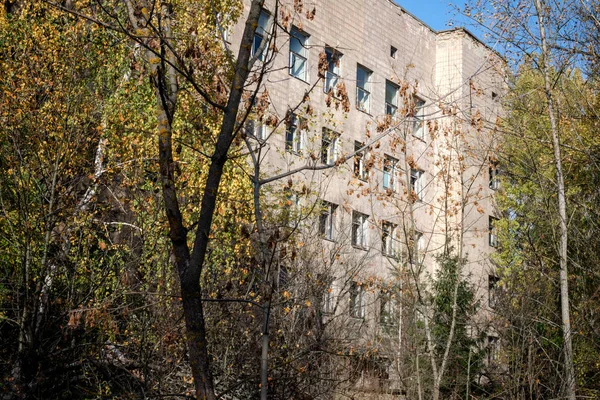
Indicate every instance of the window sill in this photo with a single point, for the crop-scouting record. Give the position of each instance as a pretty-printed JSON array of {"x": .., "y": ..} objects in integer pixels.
[
  {"x": 359, "y": 247},
  {"x": 364, "y": 111},
  {"x": 326, "y": 92},
  {"x": 298, "y": 78},
  {"x": 421, "y": 139},
  {"x": 328, "y": 239}
]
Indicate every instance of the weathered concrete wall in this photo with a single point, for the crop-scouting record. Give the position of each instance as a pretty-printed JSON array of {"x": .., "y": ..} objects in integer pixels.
[{"x": 460, "y": 80}]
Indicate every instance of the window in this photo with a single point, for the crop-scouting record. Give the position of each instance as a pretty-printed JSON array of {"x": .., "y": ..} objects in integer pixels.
[
  {"x": 329, "y": 147},
  {"x": 332, "y": 75},
  {"x": 494, "y": 182},
  {"x": 326, "y": 284},
  {"x": 298, "y": 54},
  {"x": 393, "y": 51},
  {"x": 261, "y": 131},
  {"x": 389, "y": 172},
  {"x": 290, "y": 208},
  {"x": 388, "y": 239},
  {"x": 359, "y": 229},
  {"x": 256, "y": 129},
  {"x": 329, "y": 300},
  {"x": 419, "y": 119},
  {"x": 493, "y": 350},
  {"x": 261, "y": 34},
  {"x": 327, "y": 220},
  {"x": 221, "y": 28},
  {"x": 294, "y": 137},
  {"x": 416, "y": 183},
  {"x": 493, "y": 232},
  {"x": 387, "y": 309},
  {"x": 420, "y": 242},
  {"x": 360, "y": 167},
  {"x": 363, "y": 88},
  {"x": 291, "y": 198},
  {"x": 357, "y": 301},
  {"x": 493, "y": 290},
  {"x": 391, "y": 98}
]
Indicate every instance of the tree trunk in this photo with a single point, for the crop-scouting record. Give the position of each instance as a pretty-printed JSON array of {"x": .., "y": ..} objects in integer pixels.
[
  {"x": 562, "y": 208},
  {"x": 190, "y": 265}
]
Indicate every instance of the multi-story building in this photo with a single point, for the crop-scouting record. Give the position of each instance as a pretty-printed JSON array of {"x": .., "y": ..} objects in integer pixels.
[{"x": 387, "y": 125}]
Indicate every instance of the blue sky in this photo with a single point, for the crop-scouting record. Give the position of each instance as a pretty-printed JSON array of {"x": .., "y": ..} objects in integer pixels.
[{"x": 435, "y": 13}]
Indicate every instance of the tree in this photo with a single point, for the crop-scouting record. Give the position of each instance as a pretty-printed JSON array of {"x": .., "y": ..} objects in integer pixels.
[
  {"x": 52, "y": 127},
  {"x": 529, "y": 254},
  {"x": 539, "y": 30},
  {"x": 203, "y": 99}
]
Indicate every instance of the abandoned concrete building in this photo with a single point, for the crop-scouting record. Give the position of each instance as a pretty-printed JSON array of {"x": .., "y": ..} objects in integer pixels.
[{"x": 387, "y": 126}]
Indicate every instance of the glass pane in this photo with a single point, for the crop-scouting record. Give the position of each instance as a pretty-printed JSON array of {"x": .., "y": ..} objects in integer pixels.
[
  {"x": 390, "y": 109},
  {"x": 391, "y": 92},
  {"x": 418, "y": 128},
  {"x": 256, "y": 45},
  {"x": 289, "y": 138},
  {"x": 362, "y": 100},
  {"x": 323, "y": 224},
  {"x": 333, "y": 61},
  {"x": 261, "y": 131},
  {"x": 331, "y": 81},
  {"x": 263, "y": 22},
  {"x": 297, "y": 66},
  {"x": 362, "y": 78},
  {"x": 297, "y": 43}
]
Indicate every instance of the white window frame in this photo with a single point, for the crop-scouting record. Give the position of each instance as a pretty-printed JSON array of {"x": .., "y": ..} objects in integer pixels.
[
  {"x": 261, "y": 131},
  {"x": 332, "y": 75},
  {"x": 363, "y": 89},
  {"x": 257, "y": 129},
  {"x": 416, "y": 183},
  {"x": 329, "y": 299},
  {"x": 360, "y": 165},
  {"x": 261, "y": 33},
  {"x": 387, "y": 309},
  {"x": 329, "y": 146},
  {"x": 292, "y": 199},
  {"x": 493, "y": 232},
  {"x": 493, "y": 291},
  {"x": 418, "y": 118},
  {"x": 388, "y": 239},
  {"x": 359, "y": 229},
  {"x": 356, "y": 301},
  {"x": 294, "y": 135},
  {"x": 494, "y": 181},
  {"x": 391, "y": 98},
  {"x": 493, "y": 350},
  {"x": 298, "y": 65},
  {"x": 327, "y": 220},
  {"x": 390, "y": 166},
  {"x": 420, "y": 242}
]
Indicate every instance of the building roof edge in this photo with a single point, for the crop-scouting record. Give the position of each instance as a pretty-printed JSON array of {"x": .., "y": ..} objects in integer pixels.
[{"x": 443, "y": 31}]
